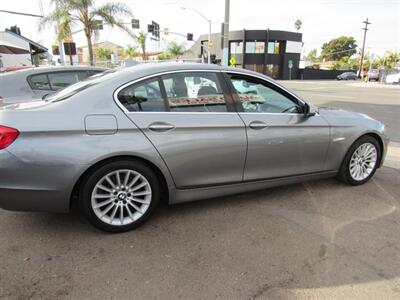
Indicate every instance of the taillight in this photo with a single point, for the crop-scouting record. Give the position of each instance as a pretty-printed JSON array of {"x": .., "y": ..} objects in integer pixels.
[{"x": 7, "y": 136}]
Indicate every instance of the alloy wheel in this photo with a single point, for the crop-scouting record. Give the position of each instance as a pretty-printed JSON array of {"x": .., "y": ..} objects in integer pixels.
[
  {"x": 121, "y": 197},
  {"x": 363, "y": 161}
]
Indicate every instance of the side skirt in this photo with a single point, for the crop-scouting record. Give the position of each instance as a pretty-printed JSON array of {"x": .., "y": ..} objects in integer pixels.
[{"x": 186, "y": 195}]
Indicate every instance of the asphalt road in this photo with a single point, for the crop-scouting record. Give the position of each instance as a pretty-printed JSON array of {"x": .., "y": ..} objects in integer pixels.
[{"x": 316, "y": 240}]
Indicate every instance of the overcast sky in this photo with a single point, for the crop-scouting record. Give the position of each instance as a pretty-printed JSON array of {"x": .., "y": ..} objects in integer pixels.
[{"x": 322, "y": 19}]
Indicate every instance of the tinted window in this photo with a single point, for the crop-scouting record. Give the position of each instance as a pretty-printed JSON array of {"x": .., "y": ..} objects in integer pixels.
[
  {"x": 60, "y": 80},
  {"x": 81, "y": 86},
  {"x": 142, "y": 96},
  {"x": 258, "y": 96},
  {"x": 39, "y": 82},
  {"x": 194, "y": 92}
]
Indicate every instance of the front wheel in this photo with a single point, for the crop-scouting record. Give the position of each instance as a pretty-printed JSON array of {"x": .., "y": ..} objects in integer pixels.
[
  {"x": 361, "y": 161},
  {"x": 120, "y": 195}
]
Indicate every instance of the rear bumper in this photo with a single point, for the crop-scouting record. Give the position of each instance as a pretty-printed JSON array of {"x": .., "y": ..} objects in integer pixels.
[
  {"x": 27, "y": 186},
  {"x": 32, "y": 200}
]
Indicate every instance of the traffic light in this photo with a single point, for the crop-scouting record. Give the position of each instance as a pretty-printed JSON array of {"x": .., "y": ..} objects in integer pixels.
[
  {"x": 150, "y": 28},
  {"x": 135, "y": 24},
  {"x": 189, "y": 36}
]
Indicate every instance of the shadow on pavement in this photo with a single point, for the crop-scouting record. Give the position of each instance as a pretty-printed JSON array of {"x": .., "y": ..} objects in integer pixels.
[{"x": 270, "y": 243}]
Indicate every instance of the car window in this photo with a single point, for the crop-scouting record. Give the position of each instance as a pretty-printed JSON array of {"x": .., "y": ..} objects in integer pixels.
[
  {"x": 75, "y": 88},
  {"x": 59, "y": 80},
  {"x": 194, "y": 92},
  {"x": 39, "y": 82},
  {"x": 260, "y": 97},
  {"x": 143, "y": 96}
]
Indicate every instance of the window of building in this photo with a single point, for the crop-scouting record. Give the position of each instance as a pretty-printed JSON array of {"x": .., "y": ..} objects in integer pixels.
[
  {"x": 272, "y": 70},
  {"x": 236, "y": 47},
  {"x": 194, "y": 92},
  {"x": 293, "y": 47},
  {"x": 274, "y": 47},
  {"x": 255, "y": 47},
  {"x": 142, "y": 96},
  {"x": 258, "y": 96},
  {"x": 254, "y": 67}
]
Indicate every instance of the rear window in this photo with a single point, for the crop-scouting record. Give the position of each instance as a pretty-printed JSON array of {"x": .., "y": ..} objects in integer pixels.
[{"x": 74, "y": 89}]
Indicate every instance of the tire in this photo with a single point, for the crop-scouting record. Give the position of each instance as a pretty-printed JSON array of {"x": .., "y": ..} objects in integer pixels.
[
  {"x": 115, "y": 208},
  {"x": 348, "y": 170}
]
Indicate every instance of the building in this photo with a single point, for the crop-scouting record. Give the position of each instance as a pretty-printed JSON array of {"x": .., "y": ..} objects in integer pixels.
[
  {"x": 83, "y": 52},
  {"x": 270, "y": 52},
  {"x": 35, "y": 51}
]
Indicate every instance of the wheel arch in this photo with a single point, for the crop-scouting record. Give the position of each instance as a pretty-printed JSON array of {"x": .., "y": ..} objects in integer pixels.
[{"x": 74, "y": 197}]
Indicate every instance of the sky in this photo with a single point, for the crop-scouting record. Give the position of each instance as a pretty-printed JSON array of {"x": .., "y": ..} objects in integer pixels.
[{"x": 322, "y": 20}]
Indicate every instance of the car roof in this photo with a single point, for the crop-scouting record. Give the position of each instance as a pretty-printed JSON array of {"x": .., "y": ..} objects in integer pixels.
[{"x": 45, "y": 69}]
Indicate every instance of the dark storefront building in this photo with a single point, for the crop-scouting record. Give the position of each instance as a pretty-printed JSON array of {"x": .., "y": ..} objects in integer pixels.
[{"x": 265, "y": 51}]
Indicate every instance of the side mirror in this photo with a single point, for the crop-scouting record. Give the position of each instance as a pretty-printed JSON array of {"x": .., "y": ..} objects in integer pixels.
[{"x": 308, "y": 112}]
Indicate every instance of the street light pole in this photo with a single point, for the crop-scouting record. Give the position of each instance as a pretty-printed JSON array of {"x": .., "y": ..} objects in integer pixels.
[
  {"x": 209, "y": 32},
  {"x": 225, "y": 46}
]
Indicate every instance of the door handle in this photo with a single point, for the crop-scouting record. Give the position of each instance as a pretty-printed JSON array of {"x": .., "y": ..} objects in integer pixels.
[
  {"x": 258, "y": 125},
  {"x": 161, "y": 127}
]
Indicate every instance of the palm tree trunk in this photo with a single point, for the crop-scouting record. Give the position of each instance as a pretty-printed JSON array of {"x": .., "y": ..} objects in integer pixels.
[{"x": 90, "y": 48}]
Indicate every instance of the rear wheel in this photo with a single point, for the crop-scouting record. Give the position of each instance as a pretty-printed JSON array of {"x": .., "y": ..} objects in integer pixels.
[
  {"x": 120, "y": 195},
  {"x": 361, "y": 161}
]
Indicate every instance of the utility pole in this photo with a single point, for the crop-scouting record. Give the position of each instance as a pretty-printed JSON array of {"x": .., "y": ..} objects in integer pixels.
[
  {"x": 363, "y": 46},
  {"x": 225, "y": 50}
]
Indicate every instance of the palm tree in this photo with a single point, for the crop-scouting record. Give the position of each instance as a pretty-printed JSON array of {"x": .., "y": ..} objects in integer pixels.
[
  {"x": 298, "y": 24},
  {"x": 176, "y": 49},
  {"x": 67, "y": 14},
  {"x": 141, "y": 40},
  {"x": 131, "y": 51}
]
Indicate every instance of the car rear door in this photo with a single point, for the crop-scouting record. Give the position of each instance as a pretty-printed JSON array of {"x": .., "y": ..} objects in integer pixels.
[
  {"x": 192, "y": 123},
  {"x": 282, "y": 141}
]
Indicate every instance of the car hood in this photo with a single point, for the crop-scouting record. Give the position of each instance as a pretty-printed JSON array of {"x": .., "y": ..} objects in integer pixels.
[{"x": 337, "y": 112}]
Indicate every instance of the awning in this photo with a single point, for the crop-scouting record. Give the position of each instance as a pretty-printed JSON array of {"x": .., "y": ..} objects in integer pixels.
[{"x": 9, "y": 48}]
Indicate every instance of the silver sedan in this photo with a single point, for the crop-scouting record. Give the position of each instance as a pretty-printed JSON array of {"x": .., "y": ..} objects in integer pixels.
[{"x": 122, "y": 141}]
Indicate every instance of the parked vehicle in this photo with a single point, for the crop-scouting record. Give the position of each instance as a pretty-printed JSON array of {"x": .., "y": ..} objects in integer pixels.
[
  {"x": 373, "y": 74},
  {"x": 34, "y": 83},
  {"x": 347, "y": 76},
  {"x": 123, "y": 140}
]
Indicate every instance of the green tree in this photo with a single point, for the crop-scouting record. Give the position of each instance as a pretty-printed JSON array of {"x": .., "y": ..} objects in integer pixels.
[
  {"x": 164, "y": 56},
  {"x": 102, "y": 53},
  {"x": 389, "y": 60},
  {"x": 68, "y": 14},
  {"x": 131, "y": 51},
  {"x": 339, "y": 47},
  {"x": 298, "y": 24},
  {"x": 175, "y": 49},
  {"x": 141, "y": 40},
  {"x": 312, "y": 55}
]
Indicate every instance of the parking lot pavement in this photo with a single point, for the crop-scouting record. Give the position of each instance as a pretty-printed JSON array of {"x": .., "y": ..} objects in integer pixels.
[{"x": 316, "y": 240}]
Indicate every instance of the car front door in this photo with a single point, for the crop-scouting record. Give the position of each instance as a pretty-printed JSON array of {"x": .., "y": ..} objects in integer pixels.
[
  {"x": 282, "y": 140},
  {"x": 192, "y": 124}
]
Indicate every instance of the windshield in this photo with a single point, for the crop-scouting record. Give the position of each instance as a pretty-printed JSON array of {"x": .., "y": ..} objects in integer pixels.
[{"x": 79, "y": 86}]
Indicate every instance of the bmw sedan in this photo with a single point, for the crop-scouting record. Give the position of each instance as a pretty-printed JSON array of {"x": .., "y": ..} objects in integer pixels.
[{"x": 122, "y": 141}]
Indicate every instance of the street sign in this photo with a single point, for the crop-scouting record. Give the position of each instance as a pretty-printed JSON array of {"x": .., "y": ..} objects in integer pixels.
[
  {"x": 290, "y": 63},
  {"x": 232, "y": 62}
]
